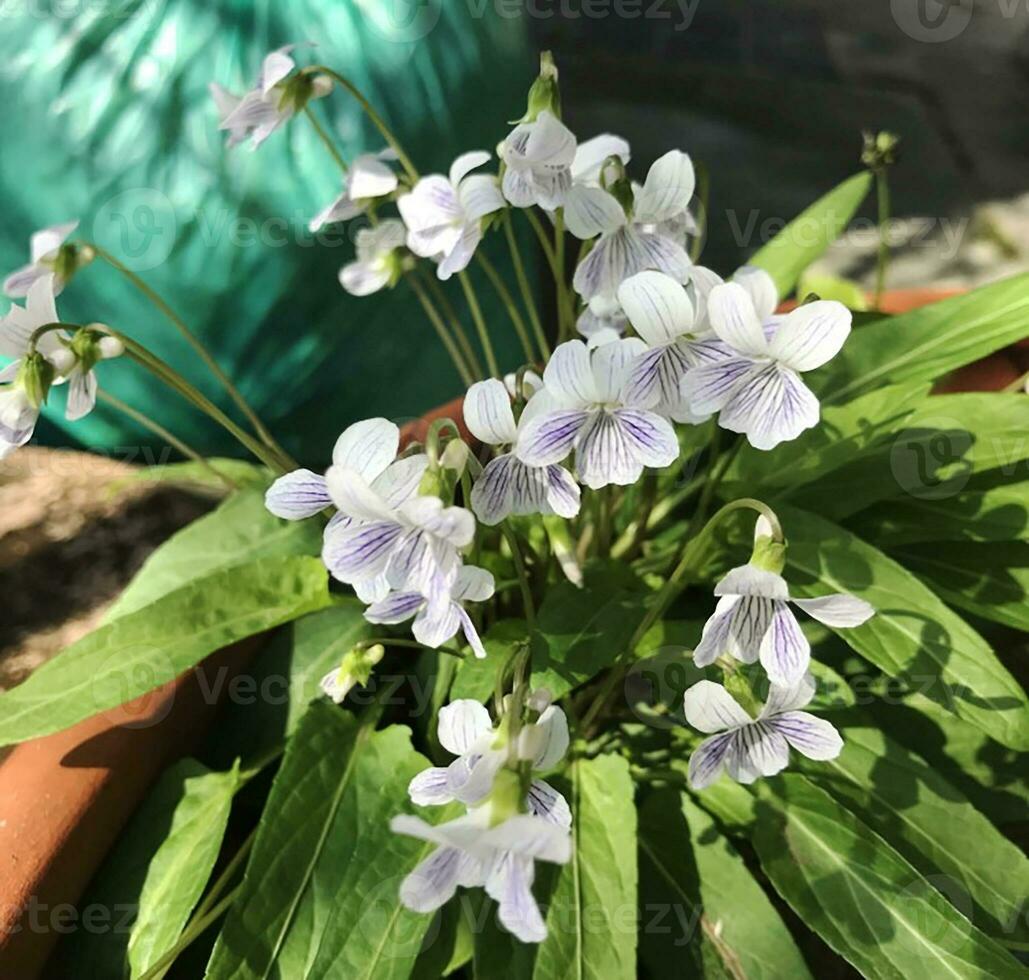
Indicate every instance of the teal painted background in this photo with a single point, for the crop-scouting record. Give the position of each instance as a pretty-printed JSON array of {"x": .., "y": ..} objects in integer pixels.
[{"x": 108, "y": 119}]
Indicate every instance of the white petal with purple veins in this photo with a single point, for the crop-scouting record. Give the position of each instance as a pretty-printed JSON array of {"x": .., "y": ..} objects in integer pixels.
[
  {"x": 465, "y": 164},
  {"x": 462, "y": 724},
  {"x": 730, "y": 309},
  {"x": 750, "y": 580},
  {"x": 437, "y": 622},
  {"x": 811, "y": 335},
  {"x": 552, "y": 727},
  {"x": 657, "y": 306},
  {"x": 360, "y": 552},
  {"x": 785, "y": 652},
  {"x": 611, "y": 363},
  {"x": 761, "y": 287},
  {"x": 549, "y": 438},
  {"x": 771, "y": 407},
  {"x": 353, "y": 496},
  {"x": 591, "y": 154},
  {"x": 399, "y": 481},
  {"x": 433, "y": 882},
  {"x": 471, "y": 634},
  {"x": 715, "y": 639},
  {"x": 510, "y": 886},
  {"x": 604, "y": 453},
  {"x": 460, "y": 253},
  {"x": 790, "y": 697},
  {"x": 395, "y": 608},
  {"x": 814, "y": 737},
  {"x": 367, "y": 447},
  {"x": 546, "y": 802},
  {"x": 563, "y": 494},
  {"x": 491, "y": 493},
  {"x": 650, "y": 437},
  {"x": 430, "y": 787},
  {"x": 757, "y": 750},
  {"x": 710, "y": 708},
  {"x": 487, "y": 413},
  {"x": 568, "y": 376},
  {"x": 479, "y": 196},
  {"x": 591, "y": 211},
  {"x": 298, "y": 495},
  {"x": 708, "y": 760},
  {"x": 709, "y": 387},
  {"x": 529, "y": 487},
  {"x": 837, "y": 610}
]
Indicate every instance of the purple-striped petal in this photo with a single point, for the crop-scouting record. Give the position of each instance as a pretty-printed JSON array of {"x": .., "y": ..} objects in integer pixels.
[
  {"x": 785, "y": 651},
  {"x": 605, "y": 455},
  {"x": 510, "y": 886},
  {"x": 810, "y": 736},
  {"x": 651, "y": 437},
  {"x": 298, "y": 495},
  {"x": 362, "y": 551},
  {"x": 654, "y": 378},
  {"x": 837, "y": 610},
  {"x": 433, "y": 882},
  {"x": 563, "y": 494},
  {"x": 708, "y": 760},
  {"x": 811, "y": 335},
  {"x": 708, "y": 387},
  {"x": 528, "y": 488},
  {"x": 395, "y": 608},
  {"x": 546, "y": 802},
  {"x": 757, "y": 750},
  {"x": 549, "y": 438},
  {"x": 710, "y": 708},
  {"x": 770, "y": 406},
  {"x": 431, "y": 787},
  {"x": 491, "y": 494}
]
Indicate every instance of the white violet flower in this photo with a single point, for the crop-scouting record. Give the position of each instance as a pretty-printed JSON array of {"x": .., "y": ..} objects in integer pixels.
[
  {"x": 538, "y": 157},
  {"x": 614, "y": 440},
  {"x": 49, "y": 257},
  {"x": 751, "y": 747},
  {"x": 368, "y": 178},
  {"x": 628, "y": 245},
  {"x": 444, "y": 215},
  {"x": 439, "y": 615},
  {"x": 377, "y": 264},
  {"x": 758, "y": 390},
  {"x": 507, "y": 485}
]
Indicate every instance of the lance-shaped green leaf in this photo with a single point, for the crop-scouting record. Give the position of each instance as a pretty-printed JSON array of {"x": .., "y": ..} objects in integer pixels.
[
  {"x": 844, "y": 433},
  {"x": 811, "y": 233},
  {"x": 142, "y": 650},
  {"x": 989, "y": 580},
  {"x": 862, "y": 897},
  {"x": 913, "y": 634},
  {"x": 180, "y": 868},
  {"x": 591, "y": 919},
  {"x": 698, "y": 899},
  {"x": 991, "y": 507},
  {"x": 927, "y": 343},
  {"x": 320, "y": 895},
  {"x": 944, "y": 442},
  {"x": 930, "y": 823},
  {"x": 240, "y": 531},
  {"x": 215, "y": 475}
]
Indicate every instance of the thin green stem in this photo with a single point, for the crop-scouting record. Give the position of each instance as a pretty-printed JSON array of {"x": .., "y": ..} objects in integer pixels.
[
  {"x": 882, "y": 190},
  {"x": 159, "y": 430},
  {"x": 512, "y": 311},
  {"x": 523, "y": 286},
  {"x": 377, "y": 121},
  {"x": 443, "y": 303},
  {"x": 523, "y": 575},
  {"x": 563, "y": 326},
  {"x": 224, "y": 878},
  {"x": 177, "y": 383},
  {"x": 326, "y": 139},
  {"x": 393, "y": 641},
  {"x": 703, "y": 197},
  {"x": 543, "y": 238},
  {"x": 441, "y": 329},
  {"x": 199, "y": 349},
  {"x": 480, "y": 324}
]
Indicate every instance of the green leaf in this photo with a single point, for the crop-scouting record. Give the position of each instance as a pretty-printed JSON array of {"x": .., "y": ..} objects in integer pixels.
[
  {"x": 844, "y": 291},
  {"x": 319, "y": 897},
  {"x": 946, "y": 440},
  {"x": 844, "y": 433},
  {"x": 591, "y": 920},
  {"x": 476, "y": 678},
  {"x": 241, "y": 530},
  {"x": 989, "y": 774},
  {"x": 991, "y": 507},
  {"x": 180, "y": 868},
  {"x": 112, "y": 900},
  {"x": 913, "y": 635},
  {"x": 811, "y": 233},
  {"x": 989, "y": 580},
  {"x": 579, "y": 632},
  {"x": 927, "y": 343},
  {"x": 142, "y": 650},
  {"x": 197, "y": 475},
  {"x": 285, "y": 676},
  {"x": 853, "y": 889},
  {"x": 931, "y": 824},
  {"x": 697, "y": 897}
]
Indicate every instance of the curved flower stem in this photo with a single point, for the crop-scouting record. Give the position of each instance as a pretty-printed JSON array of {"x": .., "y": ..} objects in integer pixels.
[
  {"x": 377, "y": 121},
  {"x": 198, "y": 348},
  {"x": 391, "y": 641},
  {"x": 675, "y": 584},
  {"x": 480, "y": 324},
  {"x": 548, "y": 249},
  {"x": 444, "y": 304},
  {"x": 523, "y": 286},
  {"x": 505, "y": 297},
  {"x": 176, "y": 382},
  {"x": 159, "y": 430},
  {"x": 326, "y": 139},
  {"x": 444, "y": 335}
]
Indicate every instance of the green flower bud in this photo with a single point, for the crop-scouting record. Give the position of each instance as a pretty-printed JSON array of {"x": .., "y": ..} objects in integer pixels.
[
  {"x": 354, "y": 669},
  {"x": 35, "y": 376},
  {"x": 68, "y": 259},
  {"x": 879, "y": 150},
  {"x": 544, "y": 93}
]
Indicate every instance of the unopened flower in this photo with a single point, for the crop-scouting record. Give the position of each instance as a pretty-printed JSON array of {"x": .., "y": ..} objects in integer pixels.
[
  {"x": 444, "y": 215},
  {"x": 661, "y": 312},
  {"x": 439, "y": 615},
  {"x": 614, "y": 440},
  {"x": 87, "y": 347},
  {"x": 758, "y": 390},
  {"x": 27, "y": 383},
  {"x": 368, "y": 178},
  {"x": 354, "y": 670},
  {"x": 508, "y": 485},
  {"x": 51, "y": 255},
  {"x": 538, "y": 157},
  {"x": 631, "y": 244},
  {"x": 377, "y": 264},
  {"x": 749, "y": 747},
  {"x": 753, "y": 620},
  {"x": 274, "y": 99}
]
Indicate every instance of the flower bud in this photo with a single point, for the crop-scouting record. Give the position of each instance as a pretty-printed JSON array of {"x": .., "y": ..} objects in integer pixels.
[
  {"x": 355, "y": 668},
  {"x": 68, "y": 259},
  {"x": 543, "y": 93},
  {"x": 35, "y": 376},
  {"x": 111, "y": 347},
  {"x": 63, "y": 361},
  {"x": 879, "y": 150}
]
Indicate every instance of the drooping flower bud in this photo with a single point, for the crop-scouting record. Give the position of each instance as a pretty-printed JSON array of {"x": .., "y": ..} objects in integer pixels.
[
  {"x": 768, "y": 554},
  {"x": 35, "y": 376},
  {"x": 355, "y": 669},
  {"x": 544, "y": 94}
]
